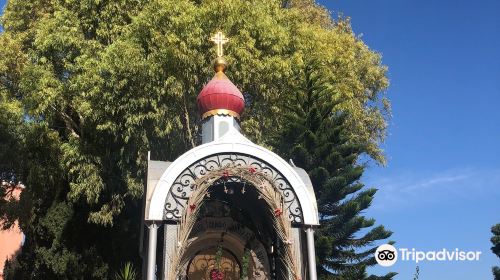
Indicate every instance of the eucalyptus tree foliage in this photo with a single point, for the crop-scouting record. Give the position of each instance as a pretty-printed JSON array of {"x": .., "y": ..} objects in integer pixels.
[{"x": 88, "y": 87}]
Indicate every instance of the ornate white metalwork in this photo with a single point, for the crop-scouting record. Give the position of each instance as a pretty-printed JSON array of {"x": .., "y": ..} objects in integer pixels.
[{"x": 183, "y": 186}]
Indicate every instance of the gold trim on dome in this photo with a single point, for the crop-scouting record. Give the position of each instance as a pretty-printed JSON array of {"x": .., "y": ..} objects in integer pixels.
[{"x": 223, "y": 112}]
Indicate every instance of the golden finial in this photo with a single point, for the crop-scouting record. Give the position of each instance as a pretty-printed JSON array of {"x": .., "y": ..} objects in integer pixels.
[{"x": 220, "y": 63}]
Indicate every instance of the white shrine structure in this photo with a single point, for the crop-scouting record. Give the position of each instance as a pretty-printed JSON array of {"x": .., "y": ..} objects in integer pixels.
[{"x": 228, "y": 209}]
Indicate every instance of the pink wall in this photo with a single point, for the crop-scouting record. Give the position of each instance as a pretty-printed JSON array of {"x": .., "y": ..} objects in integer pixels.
[{"x": 11, "y": 239}]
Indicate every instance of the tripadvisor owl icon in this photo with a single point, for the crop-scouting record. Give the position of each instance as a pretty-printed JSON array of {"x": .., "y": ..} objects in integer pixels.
[{"x": 386, "y": 255}]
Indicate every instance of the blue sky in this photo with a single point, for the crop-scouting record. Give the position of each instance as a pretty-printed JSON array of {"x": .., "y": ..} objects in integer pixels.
[{"x": 441, "y": 187}]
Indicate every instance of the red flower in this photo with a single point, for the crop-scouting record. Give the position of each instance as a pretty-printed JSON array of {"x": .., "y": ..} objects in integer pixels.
[
  {"x": 216, "y": 275},
  {"x": 252, "y": 170},
  {"x": 278, "y": 212},
  {"x": 192, "y": 207},
  {"x": 225, "y": 174}
]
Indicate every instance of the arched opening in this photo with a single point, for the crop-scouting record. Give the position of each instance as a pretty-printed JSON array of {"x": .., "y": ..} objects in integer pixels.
[
  {"x": 183, "y": 186},
  {"x": 243, "y": 202},
  {"x": 235, "y": 219},
  {"x": 188, "y": 183}
]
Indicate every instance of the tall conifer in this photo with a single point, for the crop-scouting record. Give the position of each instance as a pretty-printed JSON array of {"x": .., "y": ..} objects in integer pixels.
[{"x": 316, "y": 139}]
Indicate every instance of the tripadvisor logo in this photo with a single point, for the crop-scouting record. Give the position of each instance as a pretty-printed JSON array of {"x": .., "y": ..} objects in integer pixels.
[{"x": 387, "y": 255}]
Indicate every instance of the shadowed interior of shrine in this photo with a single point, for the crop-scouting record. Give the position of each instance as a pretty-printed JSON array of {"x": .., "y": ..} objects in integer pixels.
[{"x": 234, "y": 221}]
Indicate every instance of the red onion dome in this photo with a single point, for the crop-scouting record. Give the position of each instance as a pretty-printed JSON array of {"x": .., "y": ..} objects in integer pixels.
[{"x": 220, "y": 96}]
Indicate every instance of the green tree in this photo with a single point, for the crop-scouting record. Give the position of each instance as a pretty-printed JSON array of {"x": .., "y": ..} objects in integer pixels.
[
  {"x": 495, "y": 240},
  {"x": 10, "y": 145},
  {"x": 90, "y": 86},
  {"x": 317, "y": 138}
]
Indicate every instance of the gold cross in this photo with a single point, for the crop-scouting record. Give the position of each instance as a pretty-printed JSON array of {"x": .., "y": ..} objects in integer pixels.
[{"x": 220, "y": 40}]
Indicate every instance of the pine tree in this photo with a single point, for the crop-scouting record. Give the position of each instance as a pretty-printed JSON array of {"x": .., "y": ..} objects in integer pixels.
[
  {"x": 495, "y": 240},
  {"x": 316, "y": 139}
]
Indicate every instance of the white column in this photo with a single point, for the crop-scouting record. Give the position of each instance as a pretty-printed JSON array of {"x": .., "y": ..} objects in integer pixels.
[
  {"x": 311, "y": 254},
  {"x": 153, "y": 230}
]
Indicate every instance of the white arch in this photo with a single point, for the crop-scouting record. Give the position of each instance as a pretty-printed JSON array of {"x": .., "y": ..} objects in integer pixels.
[{"x": 237, "y": 143}]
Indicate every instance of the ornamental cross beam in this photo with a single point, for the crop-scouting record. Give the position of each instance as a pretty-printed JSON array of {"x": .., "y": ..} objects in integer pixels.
[{"x": 219, "y": 39}]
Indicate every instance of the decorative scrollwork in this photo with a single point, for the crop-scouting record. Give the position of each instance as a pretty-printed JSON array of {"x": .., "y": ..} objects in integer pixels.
[{"x": 183, "y": 185}]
